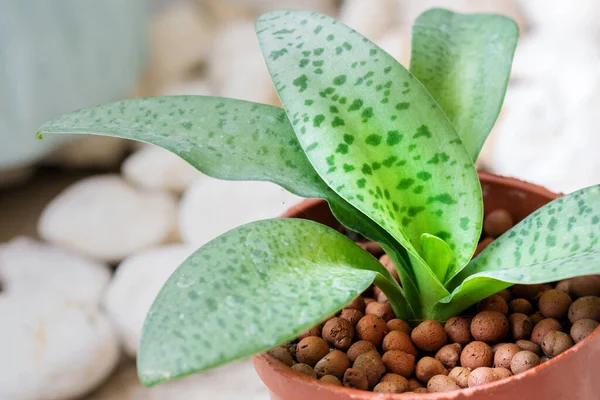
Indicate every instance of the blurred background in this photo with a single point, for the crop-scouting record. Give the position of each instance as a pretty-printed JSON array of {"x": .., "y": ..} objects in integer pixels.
[{"x": 91, "y": 227}]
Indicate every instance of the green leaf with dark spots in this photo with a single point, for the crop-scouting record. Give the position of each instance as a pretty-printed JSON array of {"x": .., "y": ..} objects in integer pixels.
[
  {"x": 223, "y": 138},
  {"x": 559, "y": 241},
  {"x": 464, "y": 61},
  {"x": 412, "y": 134},
  {"x": 251, "y": 289}
]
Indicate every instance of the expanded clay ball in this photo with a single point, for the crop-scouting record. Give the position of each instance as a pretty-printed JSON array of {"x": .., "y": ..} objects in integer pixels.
[
  {"x": 355, "y": 378},
  {"x": 371, "y": 328},
  {"x": 449, "y": 355},
  {"x": 399, "y": 380},
  {"x": 339, "y": 333},
  {"x": 483, "y": 375},
  {"x": 582, "y": 329},
  {"x": 460, "y": 375},
  {"x": 429, "y": 335},
  {"x": 382, "y": 310},
  {"x": 581, "y": 286},
  {"x": 489, "y": 326},
  {"x": 351, "y": 315},
  {"x": 506, "y": 295},
  {"x": 305, "y": 369},
  {"x": 399, "y": 362},
  {"x": 372, "y": 247},
  {"x": 530, "y": 292},
  {"x": 524, "y": 360},
  {"x": 554, "y": 304},
  {"x": 542, "y": 328},
  {"x": 522, "y": 306},
  {"x": 382, "y": 298},
  {"x": 493, "y": 303},
  {"x": 358, "y": 348},
  {"x": 421, "y": 390},
  {"x": 536, "y": 317},
  {"x": 335, "y": 363},
  {"x": 519, "y": 326},
  {"x": 398, "y": 325},
  {"x": 314, "y": 331},
  {"x": 414, "y": 383},
  {"x": 372, "y": 365},
  {"x": 311, "y": 349},
  {"x": 529, "y": 346},
  {"x": 357, "y": 304},
  {"x": 390, "y": 387},
  {"x": 556, "y": 342},
  {"x": 427, "y": 368},
  {"x": 331, "y": 379},
  {"x": 458, "y": 330},
  {"x": 441, "y": 383},
  {"x": 396, "y": 340},
  {"x": 283, "y": 355},
  {"x": 497, "y": 222},
  {"x": 369, "y": 300},
  {"x": 476, "y": 354},
  {"x": 587, "y": 307},
  {"x": 387, "y": 263},
  {"x": 504, "y": 355}
]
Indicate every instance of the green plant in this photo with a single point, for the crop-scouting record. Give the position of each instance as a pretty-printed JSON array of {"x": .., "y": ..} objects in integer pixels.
[{"x": 391, "y": 151}]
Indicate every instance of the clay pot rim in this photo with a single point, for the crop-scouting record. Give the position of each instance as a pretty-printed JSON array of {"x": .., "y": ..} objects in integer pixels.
[{"x": 286, "y": 373}]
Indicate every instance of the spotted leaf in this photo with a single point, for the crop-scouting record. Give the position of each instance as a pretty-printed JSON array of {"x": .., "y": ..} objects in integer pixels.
[
  {"x": 560, "y": 240},
  {"x": 253, "y": 288},
  {"x": 225, "y": 139},
  {"x": 464, "y": 61},
  {"x": 373, "y": 132}
]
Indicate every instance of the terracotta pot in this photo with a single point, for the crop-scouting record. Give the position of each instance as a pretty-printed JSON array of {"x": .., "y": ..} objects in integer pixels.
[{"x": 572, "y": 375}]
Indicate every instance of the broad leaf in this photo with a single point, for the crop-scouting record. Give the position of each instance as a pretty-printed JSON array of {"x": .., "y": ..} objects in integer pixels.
[
  {"x": 464, "y": 61},
  {"x": 251, "y": 289},
  {"x": 559, "y": 241},
  {"x": 372, "y": 131},
  {"x": 226, "y": 139},
  {"x": 223, "y": 138},
  {"x": 437, "y": 254}
]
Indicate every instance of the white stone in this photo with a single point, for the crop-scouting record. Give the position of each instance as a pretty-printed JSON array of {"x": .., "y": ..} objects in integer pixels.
[
  {"x": 564, "y": 16},
  {"x": 396, "y": 43},
  {"x": 180, "y": 39},
  {"x": 155, "y": 168},
  {"x": 88, "y": 152},
  {"x": 236, "y": 66},
  {"x": 27, "y": 266},
  {"x": 370, "y": 18},
  {"x": 55, "y": 342},
  {"x": 547, "y": 139},
  {"x": 210, "y": 207},
  {"x": 135, "y": 285},
  {"x": 234, "y": 381},
  {"x": 567, "y": 63},
  {"x": 105, "y": 218},
  {"x": 411, "y": 9}
]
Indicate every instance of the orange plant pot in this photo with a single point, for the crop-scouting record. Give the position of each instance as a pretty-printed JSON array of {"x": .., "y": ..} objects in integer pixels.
[{"x": 573, "y": 375}]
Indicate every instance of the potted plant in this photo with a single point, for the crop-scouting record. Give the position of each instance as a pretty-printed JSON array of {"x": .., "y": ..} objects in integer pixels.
[{"x": 392, "y": 152}]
